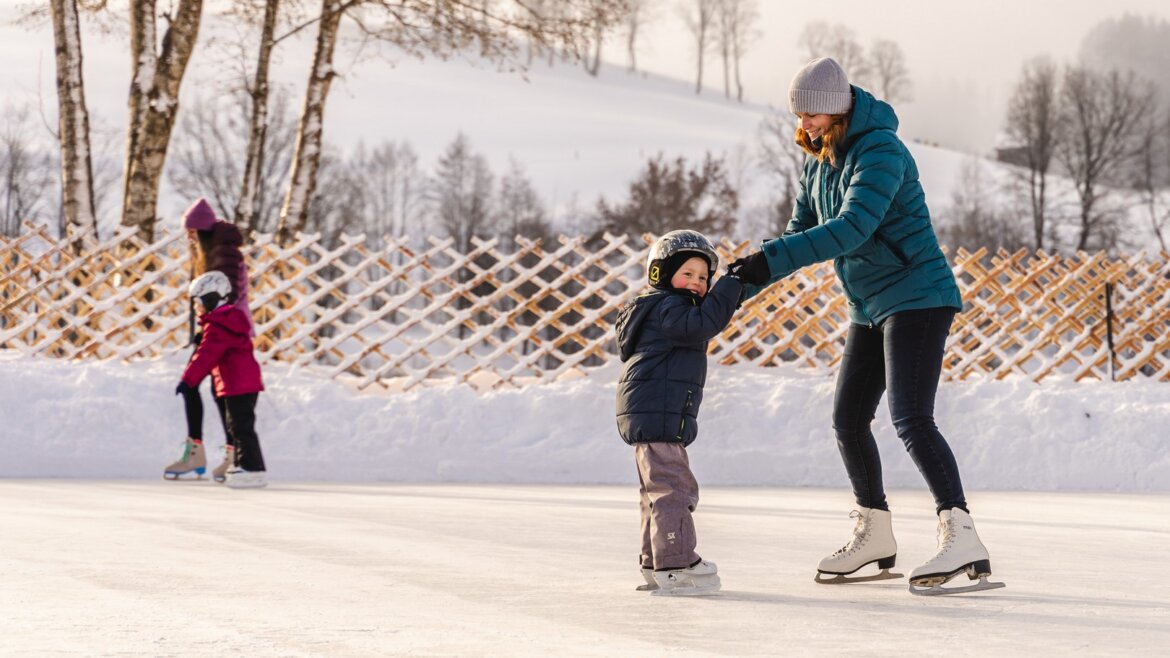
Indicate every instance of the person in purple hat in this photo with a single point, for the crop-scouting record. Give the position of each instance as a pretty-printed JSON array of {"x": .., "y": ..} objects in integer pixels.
[{"x": 215, "y": 247}]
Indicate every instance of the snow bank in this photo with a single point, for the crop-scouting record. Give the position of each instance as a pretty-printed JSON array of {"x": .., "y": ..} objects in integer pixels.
[{"x": 758, "y": 426}]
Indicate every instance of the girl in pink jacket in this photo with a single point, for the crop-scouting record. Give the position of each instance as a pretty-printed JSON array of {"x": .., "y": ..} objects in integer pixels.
[
  {"x": 215, "y": 245},
  {"x": 225, "y": 353}
]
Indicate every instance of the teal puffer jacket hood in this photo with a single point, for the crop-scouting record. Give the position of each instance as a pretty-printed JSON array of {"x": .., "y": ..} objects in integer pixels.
[{"x": 870, "y": 217}]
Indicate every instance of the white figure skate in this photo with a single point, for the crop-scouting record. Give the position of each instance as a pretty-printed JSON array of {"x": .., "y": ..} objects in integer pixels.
[
  {"x": 959, "y": 551},
  {"x": 238, "y": 478},
  {"x": 695, "y": 580},
  {"x": 872, "y": 541},
  {"x": 648, "y": 576}
]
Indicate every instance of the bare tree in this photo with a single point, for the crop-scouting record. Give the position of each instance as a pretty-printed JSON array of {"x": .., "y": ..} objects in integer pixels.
[
  {"x": 823, "y": 39},
  {"x": 1034, "y": 126},
  {"x": 248, "y": 204},
  {"x": 888, "y": 72},
  {"x": 1131, "y": 42},
  {"x": 736, "y": 21},
  {"x": 463, "y": 188},
  {"x": 73, "y": 120},
  {"x": 638, "y": 14},
  {"x": 671, "y": 195},
  {"x": 339, "y": 201},
  {"x": 699, "y": 16},
  {"x": 976, "y": 217},
  {"x": 419, "y": 27},
  {"x": 520, "y": 210},
  {"x": 209, "y": 143},
  {"x": 1098, "y": 108},
  {"x": 782, "y": 161},
  {"x": 592, "y": 59},
  {"x": 396, "y": 189},
  {"x": 463, "y": 192},
  {"x": 26, "y": 173},
  {"x": 157, "y": 68},
  {"x": 294, "y": 213},
  {"x": 205, "y": 151},
  {"x": 1153, "y": 169}
]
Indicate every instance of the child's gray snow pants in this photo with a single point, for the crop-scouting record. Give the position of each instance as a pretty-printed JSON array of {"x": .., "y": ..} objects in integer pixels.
[{"x": 669, "y": 495}]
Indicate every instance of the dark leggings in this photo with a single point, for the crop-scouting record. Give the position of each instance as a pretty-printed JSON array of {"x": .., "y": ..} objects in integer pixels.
[
  {"x": 241, "y": 419},
  {"x": 903, "y": 356},
  {"x": 193, "y": 405}
]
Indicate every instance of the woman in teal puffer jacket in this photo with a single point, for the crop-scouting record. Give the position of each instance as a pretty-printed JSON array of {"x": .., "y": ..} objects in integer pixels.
[{"x": 861, "y": 205}]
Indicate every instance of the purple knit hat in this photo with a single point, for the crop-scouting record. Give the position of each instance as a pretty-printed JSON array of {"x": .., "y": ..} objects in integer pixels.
[{"x": 199, "y": 216}]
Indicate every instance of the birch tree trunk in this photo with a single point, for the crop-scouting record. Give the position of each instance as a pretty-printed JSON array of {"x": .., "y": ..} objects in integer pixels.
[
  {"x": 248, "y": 206},
  {"x": 153, "y": 104},
  {"x": 294, "y": 214},
  {"x": 76, "y": 162}
]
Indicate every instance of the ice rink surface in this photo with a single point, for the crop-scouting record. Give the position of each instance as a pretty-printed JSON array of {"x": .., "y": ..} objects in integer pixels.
[{"x": 152, "y": 568}]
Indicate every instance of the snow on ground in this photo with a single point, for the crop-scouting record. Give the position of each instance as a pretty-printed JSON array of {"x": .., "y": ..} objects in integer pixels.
[
  {"x": 758, "y": 426},
  {"x": 449, "y": 522},
  {"x": 113, "y": 568}
]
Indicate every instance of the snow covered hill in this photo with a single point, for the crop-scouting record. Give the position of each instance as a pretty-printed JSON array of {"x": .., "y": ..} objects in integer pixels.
[{"x": 576, "y": 136}]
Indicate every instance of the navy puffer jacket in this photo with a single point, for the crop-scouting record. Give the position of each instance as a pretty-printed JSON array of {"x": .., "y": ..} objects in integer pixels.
[{"x": 662, "y": 337}]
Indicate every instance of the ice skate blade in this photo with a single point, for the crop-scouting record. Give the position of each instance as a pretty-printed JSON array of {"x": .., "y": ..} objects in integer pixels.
[
  {"x": 646, "y": 587},
  {"x": 841, "y": 579},
  {"x": 172, "y": 476},
  {"x": 686, "y": 591},
  {"x": 697, "y": 586},
  {"x": 936, "y": 588}
]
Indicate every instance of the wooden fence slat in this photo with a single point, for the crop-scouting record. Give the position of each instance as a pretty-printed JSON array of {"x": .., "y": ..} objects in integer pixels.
[{"x": 386, "y": 313}]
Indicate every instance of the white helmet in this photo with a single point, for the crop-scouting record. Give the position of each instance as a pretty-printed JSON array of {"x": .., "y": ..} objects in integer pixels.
[
  {"x": 211, "y": 289},
  {"x": 660, "y": 266}
]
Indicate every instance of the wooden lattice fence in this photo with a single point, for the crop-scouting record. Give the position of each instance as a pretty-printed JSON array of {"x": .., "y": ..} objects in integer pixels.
[{"x": 389, "y": 313}]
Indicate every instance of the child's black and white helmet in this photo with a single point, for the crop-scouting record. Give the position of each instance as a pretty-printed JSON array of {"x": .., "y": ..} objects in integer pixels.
[
  {"x": 666, "y": 256},
  {"x": 211, "y": 289}
]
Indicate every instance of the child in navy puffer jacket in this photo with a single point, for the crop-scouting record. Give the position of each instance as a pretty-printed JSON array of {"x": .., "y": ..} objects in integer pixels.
[{"x": 662, "y": 336}]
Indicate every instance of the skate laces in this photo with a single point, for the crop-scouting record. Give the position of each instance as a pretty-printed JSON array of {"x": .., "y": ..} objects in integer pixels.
[
  {"x": 860, "y": 534},
  {"x": 946, "y": 534}
]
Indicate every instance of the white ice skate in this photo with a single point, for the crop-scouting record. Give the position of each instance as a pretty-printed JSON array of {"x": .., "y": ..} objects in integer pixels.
[
  {"x": 192, "y": 461},
  {"x": 238, "y": 478},
  {"x": 219, "y": 473},
  {"x": 696, "y": 580},
  {"x": 873, "y": 541},
  {"x": 959, "y": 551},
  {"x": 648, "y": 576}
]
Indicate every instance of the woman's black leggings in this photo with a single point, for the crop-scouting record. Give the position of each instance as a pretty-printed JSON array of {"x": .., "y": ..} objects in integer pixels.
[{"x": 903, "y": 359}]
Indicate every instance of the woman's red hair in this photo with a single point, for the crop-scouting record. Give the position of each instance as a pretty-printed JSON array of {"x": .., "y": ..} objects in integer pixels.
[{"x": 826, "y": 149}]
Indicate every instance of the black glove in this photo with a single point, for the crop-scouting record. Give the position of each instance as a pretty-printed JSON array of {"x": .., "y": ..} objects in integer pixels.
[
  {"x": 751, "y": 269},
  {"x": 183, "y": 388},
  {"x": 197, "y": 338}
]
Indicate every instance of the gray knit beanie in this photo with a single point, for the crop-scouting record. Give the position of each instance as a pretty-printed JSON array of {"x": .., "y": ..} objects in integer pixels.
[{"x": 821, "y": 87}]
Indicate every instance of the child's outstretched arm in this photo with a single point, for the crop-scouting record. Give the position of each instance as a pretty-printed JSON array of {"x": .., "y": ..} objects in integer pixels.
[
  {"x": 206, "y": 357},
  {"x": 687, "y": 320}
]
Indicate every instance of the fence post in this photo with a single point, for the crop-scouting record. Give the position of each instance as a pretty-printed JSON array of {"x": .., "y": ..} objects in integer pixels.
[{"x": 1109, "y": 327}]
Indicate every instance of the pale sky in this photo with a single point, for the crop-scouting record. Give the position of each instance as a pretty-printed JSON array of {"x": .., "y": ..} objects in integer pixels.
[{"x": 964, "y": 57}]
